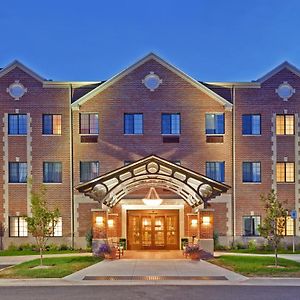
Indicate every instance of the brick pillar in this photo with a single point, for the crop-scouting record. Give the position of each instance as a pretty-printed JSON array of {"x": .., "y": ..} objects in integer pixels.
[
  {"x": 206, "y": 229},
  {"x": 99, "y": 228}
]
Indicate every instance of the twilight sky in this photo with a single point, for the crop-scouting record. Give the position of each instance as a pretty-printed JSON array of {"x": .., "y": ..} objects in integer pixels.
[{"x": 211, "y": 40}]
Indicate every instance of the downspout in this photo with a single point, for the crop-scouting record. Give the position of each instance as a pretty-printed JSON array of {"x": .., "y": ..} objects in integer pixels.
[
  {"x": 233, "y": 168},
  {"x": 71, "y": 166}
]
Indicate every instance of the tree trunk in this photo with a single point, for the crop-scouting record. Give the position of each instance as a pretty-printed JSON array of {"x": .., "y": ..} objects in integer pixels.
[
  {"x": 276, "y": 257},
  {"x": 41, "y": 256}
]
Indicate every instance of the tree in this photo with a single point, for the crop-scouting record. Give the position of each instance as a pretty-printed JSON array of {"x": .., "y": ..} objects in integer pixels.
[
  {"x": 273, "y": 224},
  {"x": 42, "y": 220}
]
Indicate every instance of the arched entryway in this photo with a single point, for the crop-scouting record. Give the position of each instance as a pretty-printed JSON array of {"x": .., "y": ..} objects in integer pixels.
[{"x": 153, "y": 228}]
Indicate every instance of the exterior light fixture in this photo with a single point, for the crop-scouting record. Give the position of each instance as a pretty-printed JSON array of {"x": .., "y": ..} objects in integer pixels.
[
  {"x": 152, "y": 198},
  {"x": 110, "y": 223},
  {"x": 194, "y": 222},
  {"x": 99, "y": 220},
  {"x": 206, "y": 220}
]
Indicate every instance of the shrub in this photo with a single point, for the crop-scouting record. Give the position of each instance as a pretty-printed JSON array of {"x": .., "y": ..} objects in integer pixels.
[
  {"x": 12, "y": 247},
  {"x": 63, "y": 247},
  {"x": 216, "y": 239},
  {"x": 89, "y": 238},
  {"x": 252, "y": 245}
]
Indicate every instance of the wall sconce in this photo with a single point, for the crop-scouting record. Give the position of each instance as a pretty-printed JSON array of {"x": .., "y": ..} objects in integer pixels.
[
  {"x": 99, "y": 220},
  {"x": 206, "y": 220},
  {"x": 194, "y": 222},
  {"x": 110, "y": 223}
]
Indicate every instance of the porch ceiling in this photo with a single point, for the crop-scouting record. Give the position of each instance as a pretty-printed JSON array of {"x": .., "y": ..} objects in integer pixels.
[{"x": 194, "y": 188}]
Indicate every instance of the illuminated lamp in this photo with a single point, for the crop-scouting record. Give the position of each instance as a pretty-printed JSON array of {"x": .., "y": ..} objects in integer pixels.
[
  {"x": 110, "y": 223},
  {"x": 194, "y": 222},
  {"x": 206, "y": 220},
  {"x": 99, "y": 220},
  {"x": 152, "y": 198}
]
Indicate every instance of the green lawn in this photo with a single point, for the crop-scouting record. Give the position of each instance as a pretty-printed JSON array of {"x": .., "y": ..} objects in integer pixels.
[
  {"x": 32, "y": 252},
  {"x": 59, "y": 267},
  {"x": 258, "y": 266},
  {"x": 256, "y": 251}
]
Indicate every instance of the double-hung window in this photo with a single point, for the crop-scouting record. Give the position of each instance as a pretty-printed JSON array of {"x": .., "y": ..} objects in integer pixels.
[
  {"x": 89, "y": 123},
  {"x": 214, "y": 123},
  {"x": 216, "y": 170},
  {"x": 52, "y": 124},
  {"x": 17, "y": 124},
  {"x": 285, "y": 124},
  {"x": 285, "y": 226},
  {"x": 285, "y": 172},
  {"x": 251, "y": 225},
  {"x": 88, "y": 170},
  {"x": 57, "y": 229},
  {"x": 52, "y": 172},
  {"x": 17, "y": 172},
  {"x": 251, "y": 124},
  {"x": 251, "y": 172},
  {"x": 170, "y": 124},
  {"x": 17, "y": 227},
  {"x": 133, "y": 124}
]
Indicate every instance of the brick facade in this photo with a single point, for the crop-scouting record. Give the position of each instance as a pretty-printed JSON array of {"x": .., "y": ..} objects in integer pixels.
[{"x": 127, "y": 94}]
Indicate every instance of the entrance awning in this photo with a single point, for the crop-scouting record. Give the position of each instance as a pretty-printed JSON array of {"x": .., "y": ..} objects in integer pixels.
[{"x": 194, "y": 188}]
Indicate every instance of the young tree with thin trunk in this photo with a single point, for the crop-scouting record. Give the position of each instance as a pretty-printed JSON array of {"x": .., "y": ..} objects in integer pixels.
[
  {"x": 273, "y": 224},
  {"x": 42, "y": 220}
]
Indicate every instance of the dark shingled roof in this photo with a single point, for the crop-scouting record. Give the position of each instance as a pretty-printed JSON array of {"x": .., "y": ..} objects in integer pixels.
[
  {"x": 79, "y": 92},
  {"x": 225, "y": 92}
]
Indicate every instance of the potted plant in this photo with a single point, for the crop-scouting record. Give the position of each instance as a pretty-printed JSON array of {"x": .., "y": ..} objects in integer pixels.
[{"x": 193, "y": 251}]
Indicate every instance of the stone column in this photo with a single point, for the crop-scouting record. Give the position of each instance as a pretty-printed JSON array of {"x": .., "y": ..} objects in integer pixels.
[
  {"x": 206, "y": 229},
  {"x": 99, "y": 228}
]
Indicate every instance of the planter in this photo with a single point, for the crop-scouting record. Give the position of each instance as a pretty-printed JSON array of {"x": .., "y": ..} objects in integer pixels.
[{"x": 195, "y": 256}]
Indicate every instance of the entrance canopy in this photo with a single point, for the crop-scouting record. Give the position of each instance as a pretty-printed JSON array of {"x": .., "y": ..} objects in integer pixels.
[{"x": 194, "y": 188}]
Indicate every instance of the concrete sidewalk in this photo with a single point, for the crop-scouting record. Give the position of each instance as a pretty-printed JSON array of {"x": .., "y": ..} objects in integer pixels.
[{"x": 135, "y": 267}]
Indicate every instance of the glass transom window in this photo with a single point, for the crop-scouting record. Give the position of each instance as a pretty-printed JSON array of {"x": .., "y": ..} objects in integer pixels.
[{"x": 214, "y": 123}]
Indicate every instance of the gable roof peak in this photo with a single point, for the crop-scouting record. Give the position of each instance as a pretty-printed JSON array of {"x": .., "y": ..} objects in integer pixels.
[
  {"x": 284, "y": 65},
  {"x": 17, "y": 64}
]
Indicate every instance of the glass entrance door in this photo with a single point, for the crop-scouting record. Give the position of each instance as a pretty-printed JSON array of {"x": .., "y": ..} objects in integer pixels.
[{"x": 153, "y": 229}]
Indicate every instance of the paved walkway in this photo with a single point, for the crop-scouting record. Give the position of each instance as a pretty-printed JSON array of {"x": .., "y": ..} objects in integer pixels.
[{"x": 161, "y": 267}]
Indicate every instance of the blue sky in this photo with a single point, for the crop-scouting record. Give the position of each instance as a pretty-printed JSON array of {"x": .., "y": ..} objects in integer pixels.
[{"x": 211, "y": 40}]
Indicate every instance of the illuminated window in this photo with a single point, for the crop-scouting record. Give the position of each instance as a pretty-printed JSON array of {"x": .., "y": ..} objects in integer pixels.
[
  {"x": 133, "y": 124},
  {"x": 89, "y": 123},
  {"x": 17, "y": 124},
  {"x": 17, "y": 227},
  {"x": 285, "y": 124},
  {"x": 285, "y": 172},
  {"x": 285, "y": 226},
  {"x": 52, "y": 124},
  {"x": 17, "y": 172},
  {"x": 251, "y": 224},
  {"x": 214, "y": 123},
  {"x": 57, "y": 229},
  {"x": 88, "y": 170}
]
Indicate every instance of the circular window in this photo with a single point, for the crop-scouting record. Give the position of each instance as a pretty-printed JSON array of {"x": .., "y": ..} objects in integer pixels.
[
  {"x": 152, "y": 81},
  {"x": 285, "y": 91},
  {"x": 16, "y": 90}
]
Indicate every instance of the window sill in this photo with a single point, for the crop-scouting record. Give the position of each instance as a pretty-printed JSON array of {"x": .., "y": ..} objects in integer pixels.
[
  {"x": 170, "y": 134},
  {"x": 214, "y": 134},
  {"x": 14, "y": 183},
  {"x": 251, "y": 135},
  {"x": 51, "y": 183},
  {"x": 19, "y": 236},
  {"x": 133, "y": 134},
  {"x": 51, "y": 135},
  {"x": 92, "y": 134},
  {"x": 17, "y": 134},
  {"x": 251, "y": 182}
]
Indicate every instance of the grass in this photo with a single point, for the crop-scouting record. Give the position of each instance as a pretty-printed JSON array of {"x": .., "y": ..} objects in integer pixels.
[
  {"x": 256, "y": 251},
  {"x": 258, "y": 266},
  {"x": 60, "y": 267},
  {"x": 32, "y": 252}
]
